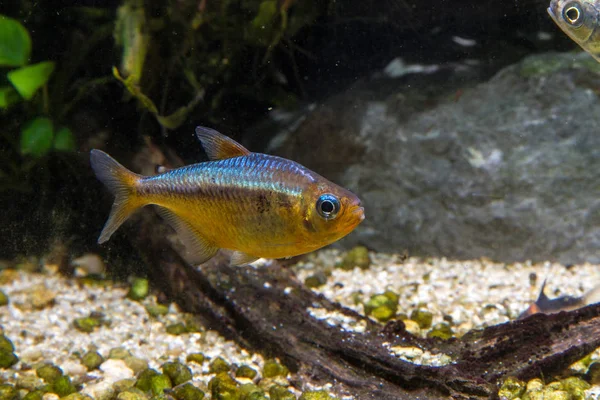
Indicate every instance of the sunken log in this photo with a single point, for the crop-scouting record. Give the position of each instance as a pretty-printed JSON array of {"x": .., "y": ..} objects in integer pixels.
[{"x": 268, "y": 310}]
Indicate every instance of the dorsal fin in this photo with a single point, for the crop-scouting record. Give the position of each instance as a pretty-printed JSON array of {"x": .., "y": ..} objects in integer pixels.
[{"x": 219, "y": 146}]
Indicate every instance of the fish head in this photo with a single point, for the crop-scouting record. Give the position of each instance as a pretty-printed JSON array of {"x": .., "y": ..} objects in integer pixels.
[
  {"x": 330, "y": 213},
  {"x": 579, "y": 19}
]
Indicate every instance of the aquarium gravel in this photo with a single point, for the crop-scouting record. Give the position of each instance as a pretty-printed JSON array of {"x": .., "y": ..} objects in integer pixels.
[{"x": 103, "y": 341}]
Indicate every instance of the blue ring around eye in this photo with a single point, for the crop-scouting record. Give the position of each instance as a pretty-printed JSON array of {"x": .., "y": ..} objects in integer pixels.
[{"x": 328, "y": 206}]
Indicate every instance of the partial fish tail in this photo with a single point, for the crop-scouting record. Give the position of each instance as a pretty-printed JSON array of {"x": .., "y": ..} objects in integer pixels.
[{"x": 122, "y": 184}]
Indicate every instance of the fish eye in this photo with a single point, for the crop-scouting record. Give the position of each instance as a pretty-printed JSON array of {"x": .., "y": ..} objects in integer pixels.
[
  {"x": 573, "y": 14},
  {"x": 328, "y": 206}
]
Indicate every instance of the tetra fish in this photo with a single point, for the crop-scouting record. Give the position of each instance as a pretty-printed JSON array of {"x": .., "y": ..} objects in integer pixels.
[
  {"x": 256, "y": 205},
  {"x": 580, "y": 20}
]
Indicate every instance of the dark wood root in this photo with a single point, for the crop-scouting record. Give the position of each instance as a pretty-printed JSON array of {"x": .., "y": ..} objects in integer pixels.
[{"x": 269, "y": 311}]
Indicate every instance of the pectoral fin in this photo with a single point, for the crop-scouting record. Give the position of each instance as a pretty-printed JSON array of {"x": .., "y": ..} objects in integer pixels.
[
  {"x": 198, "y": 248},
  {"x": 218, "y": 146},
  {"x": 238, "y": 258}
]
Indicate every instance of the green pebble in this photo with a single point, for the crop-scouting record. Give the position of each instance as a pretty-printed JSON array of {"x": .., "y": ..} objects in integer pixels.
[
  {"x": 422, "y": 317},
  {"x": 158, "y": 384},
  {"x": 7, "y": 359},
  {"x": 250, "y": 391},
  {"x": 245, "y": 372},
  {"x": 35, "y": 395},
  {"x": 123, "y": 385},
  {"x": 315, "y": 395},
  {"x": 8, "y": 392},
  {"x": 6, "y": 344},
  {"x": 442, "y": 331},
  {"x": 177, "y": 372},
  {"x": 176, "y": 329},
  {"x": 76, "y": 396},
  {"x": 198, "y": 358},
  {"x": 155, "y": 310},
  {"x": 315, "y": 281},
  {"x": 219, "y": 365},
  {"x": 49, "y": 373},
  {"x": 132, "y": 394},
  {"x": 576, "y": 387},
  {"x": 272, "y": 368},
  {"x": 193, "y": 325},
  {"x": 511, "y": 388},
  {"x": 145, "y": 379},
  {"x": 119, "y": 353},
  {"x": 92, "y": 360},
  {"x": 139, "y": 289},
  {"x": 278, "y": 392},
  {"x": 223, "y": 387},
  {"x": 86, "y": 324},
  {"x": 188, "y": 392},
  {"x": 62, "y": 386},
  {"x": 3, "y": 298},
  {"x": 382, "y": 306},
  {"x": 556, "y": 395},
  {"x": 356, "y": 257},
  {"x": 383, "y": 313},
  {"x": 135, "y": 364}
]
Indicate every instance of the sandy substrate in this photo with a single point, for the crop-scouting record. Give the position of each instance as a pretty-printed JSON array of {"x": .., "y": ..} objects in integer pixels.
[{"x": 466, "y": 294}]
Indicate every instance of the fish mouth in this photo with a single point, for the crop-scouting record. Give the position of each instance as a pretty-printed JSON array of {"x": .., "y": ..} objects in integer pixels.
[
  {"x": 551, "y": 12},
  {"x": 360, "y": 212}
]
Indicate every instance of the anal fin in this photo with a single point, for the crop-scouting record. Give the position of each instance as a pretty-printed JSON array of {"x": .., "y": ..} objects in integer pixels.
[
  {"x": 239, "y": 258},
  {"x": 199, "y": 250}
]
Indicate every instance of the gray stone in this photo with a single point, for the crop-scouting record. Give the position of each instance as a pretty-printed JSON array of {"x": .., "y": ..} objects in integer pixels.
[{"x": 508, "y": 169}]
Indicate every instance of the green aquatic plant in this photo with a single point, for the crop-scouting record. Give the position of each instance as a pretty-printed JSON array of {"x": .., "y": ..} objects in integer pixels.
[{"x": 24, "y": 81}]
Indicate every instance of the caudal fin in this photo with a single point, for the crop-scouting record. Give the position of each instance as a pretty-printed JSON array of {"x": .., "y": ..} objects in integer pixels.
[{"x": 121, "y": 182}]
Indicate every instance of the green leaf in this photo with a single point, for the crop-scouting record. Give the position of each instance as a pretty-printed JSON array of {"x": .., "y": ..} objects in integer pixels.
[
  {"x": 15, "y": 43},
  {"x": 36, "y": 137},
  {"x": 8, "y": 96},
  {"x": 64, "y": 140},
  {"x": 27, "y": 80}
]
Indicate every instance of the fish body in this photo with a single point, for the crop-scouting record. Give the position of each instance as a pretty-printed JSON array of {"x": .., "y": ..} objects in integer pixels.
[
  {"x": 255, "y": 204},
  {"x": 580, "y": 20}
]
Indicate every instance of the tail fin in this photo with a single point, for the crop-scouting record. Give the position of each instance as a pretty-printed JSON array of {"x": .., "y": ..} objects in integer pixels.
[{"x": 121, "y": 182}]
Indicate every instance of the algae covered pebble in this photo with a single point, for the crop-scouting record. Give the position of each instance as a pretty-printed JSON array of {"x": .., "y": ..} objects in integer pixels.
[
  {"x": 245, "y": 371},
  {"x": 278, "y": 392},
  {"x": 422, "y": 317},
  {"x": 86, "y": 324},
  {"x": 139, "y": 289},
  {"x": 188, "y": 392},
  {"x": 159, "y": 383},
  {"x": 8, "y": 392},
  {"x": 382, "y": 306},
  {"x": 49, "y": 373},
  {"x": 272, "y": 368},
  {"x": 92, "y": 360},
  {"x": 198, "y": 358},
  {"x": 144, "y": 381},
  {"x": 176, "y": 329},
  {"x": 511, "y": 388},
  {"x": 7, "y": 359},
  {"x": 223, "y": 386},
  {"x": 156, "y": 310},
  {"x": 356, "y": 257},
  {"x": 3, "y": 298},
  {"x": 316, "y": 395},
  {"x": 219, "y": 365},
  {"x": 62, "y": 386},
  {"x": 441, "y": 330},
  {"x": 177, "y": 372}
]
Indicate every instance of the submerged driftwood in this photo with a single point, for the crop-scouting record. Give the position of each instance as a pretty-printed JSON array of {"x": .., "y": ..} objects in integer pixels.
[{"x": 267, "y": 310}]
